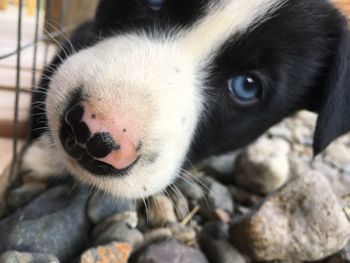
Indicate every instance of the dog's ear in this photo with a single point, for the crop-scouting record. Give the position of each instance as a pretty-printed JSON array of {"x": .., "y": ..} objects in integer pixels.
[{"x": 334, "y": 105}]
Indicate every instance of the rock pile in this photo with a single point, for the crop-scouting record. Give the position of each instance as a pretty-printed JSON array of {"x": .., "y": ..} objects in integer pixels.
[{"x": 270, "y": 202}]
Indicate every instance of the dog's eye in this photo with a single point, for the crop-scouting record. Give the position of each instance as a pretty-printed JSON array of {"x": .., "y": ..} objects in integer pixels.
[
  {"x": 245, "y": 88},
  {"x": 155, "y": 4}
]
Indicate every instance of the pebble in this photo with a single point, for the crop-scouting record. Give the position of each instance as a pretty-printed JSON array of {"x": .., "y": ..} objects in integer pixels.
[
  {"x": 341, "y": 257},
  {"x": 102, "y": 205},
  {"x": 337, "y": 154},
  {"x": 110, "y": 253},
  {"x": 303, "y": 135},
  {"x": 217, "y": 196},
  {"x": 221, "y": 164},
  {"x": 22, "y": 195},
  {"x": 301, "y": 222},
  {"x": 168, "y": 250},
  {"x": 222, "y": 215},
  {"x": 190, "y": 189},
  {"x": 244, "y": 197},
  {"x": 346, "y": 169},
  {"x": 181, "y": 206},
  {"x": 157, "y": 233},
  {"x": 280, "y": 131},
  {"x": 307, "y": 118},
  {"x": 264, "y": 166},
  {"x": 118, "y": 231},
  {"x": 339, "y": 182},
  {"x": 129, "y": 217},
  {"x": 54, "y": 223},
  {"x": 183, "y": 233},
  {"x": 23, "y": 257},
  {"x": 160, "y": 211},
  {"x": 214, "y": 242}
]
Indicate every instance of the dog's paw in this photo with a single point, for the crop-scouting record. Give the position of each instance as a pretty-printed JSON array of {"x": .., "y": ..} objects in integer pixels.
[{"x": 40, "y": 160}]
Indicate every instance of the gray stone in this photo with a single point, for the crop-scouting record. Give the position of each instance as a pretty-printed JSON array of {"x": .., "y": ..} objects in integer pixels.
[
  {"x": 280, "y": 131},
  {"x": 222, "y": 215},
  {"x": 341, "y": 257},
  {"x": 118, "y": 231},
  {"x": 23, "y": 257},
  {"x": 264, "y": 166},
  {"x": 168, "y": 250},
  {"x": 346, "y": 170},
  {"x": 190, "y": 189},
  {"x": 129, "y": 217},
  {"x": 340, "y": 182},
  {"x": 214, "y": 243},
  {"x": 221, "y": 164},
  {"x": 160, "y": 211},
  {"x": 307, "y": 118},
  {"x": 303, "y": 135},
  {"x": 102, "y": 205},
  {"x": 54, "y": 223},
  {"x": 183, "y": 233},
  {"x": 181, "y": 205},
  {"x": 303, "y": 221},
  {"x": 217, "y": 196},
  {"x": 244, "y": 197},
  {"x": 22, "y": 195},
  {"x": 158, "y": 233},
  {"x": 338, "y": 154}
]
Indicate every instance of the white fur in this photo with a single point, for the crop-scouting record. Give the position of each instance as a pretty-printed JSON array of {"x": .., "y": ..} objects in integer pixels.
[
  {"x": 156, "y": 81},
  {"x": 42, "y": 159},
  {"x": 224, "y": 20}
]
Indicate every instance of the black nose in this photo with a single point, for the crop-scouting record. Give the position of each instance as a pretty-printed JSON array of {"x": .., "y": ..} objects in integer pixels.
[
  {"x": 73, "y": 118},
  {"x": 75, "y": 138},
  {"x": 73, "y": 131}
]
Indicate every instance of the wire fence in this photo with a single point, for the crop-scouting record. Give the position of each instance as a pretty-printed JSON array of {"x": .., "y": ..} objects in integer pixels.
[{"x": 38, "y": 37}]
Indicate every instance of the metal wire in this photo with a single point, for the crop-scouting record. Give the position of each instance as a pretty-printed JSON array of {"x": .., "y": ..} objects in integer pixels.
[
  {"x": 36, "y": 40},
  {"x": 49, "y": 9},
  {"x": 26, "y": 46},
  {"x": 18, "y": 78},
  {"x": 63, "y": 11}
]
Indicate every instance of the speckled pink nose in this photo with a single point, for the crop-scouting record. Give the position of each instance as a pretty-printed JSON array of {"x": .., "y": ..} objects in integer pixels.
[{"x": 102, "y": 136}]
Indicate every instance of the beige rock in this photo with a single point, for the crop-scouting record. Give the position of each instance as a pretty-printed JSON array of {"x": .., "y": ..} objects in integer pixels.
[
  {"x": 183, "y": 233},
  {"x": 156, "y": 234},
  {"x": 161, "y": 211},
  {"x": 303, "y": 221},
  {"x": 264, "y": 167},
  {"x": 338, "y": 154}
]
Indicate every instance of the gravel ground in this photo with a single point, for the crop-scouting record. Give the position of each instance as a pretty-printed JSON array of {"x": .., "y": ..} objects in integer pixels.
[{"x": 270, "y": 202}]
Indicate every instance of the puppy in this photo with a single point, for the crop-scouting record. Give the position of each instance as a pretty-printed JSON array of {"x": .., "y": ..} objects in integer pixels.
[{"x": 150, "y": 86}]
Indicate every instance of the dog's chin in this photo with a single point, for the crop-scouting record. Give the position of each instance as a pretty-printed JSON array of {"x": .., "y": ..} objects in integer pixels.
[{"x": 139, "y": 182}]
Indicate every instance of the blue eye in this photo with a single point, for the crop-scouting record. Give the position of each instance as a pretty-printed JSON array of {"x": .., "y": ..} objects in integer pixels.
[
  {"x": 155, "y": 4},
  {"x": 245, "y": 88}
]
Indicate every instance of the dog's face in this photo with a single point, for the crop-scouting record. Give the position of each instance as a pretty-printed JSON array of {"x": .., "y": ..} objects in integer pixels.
[{"x": 162, "y": 82}]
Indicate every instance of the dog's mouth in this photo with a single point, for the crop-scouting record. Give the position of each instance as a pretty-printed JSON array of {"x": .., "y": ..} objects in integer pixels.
[{"x": 78, "y": 154}]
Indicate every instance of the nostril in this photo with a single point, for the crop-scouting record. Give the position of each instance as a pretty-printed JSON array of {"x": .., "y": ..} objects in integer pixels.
[
  {"x": 74, "y": 114},
  {"x": 70, "y": 143},
  {"x": 101, "y": 144},
  {"x": 73, "y": 118}
]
